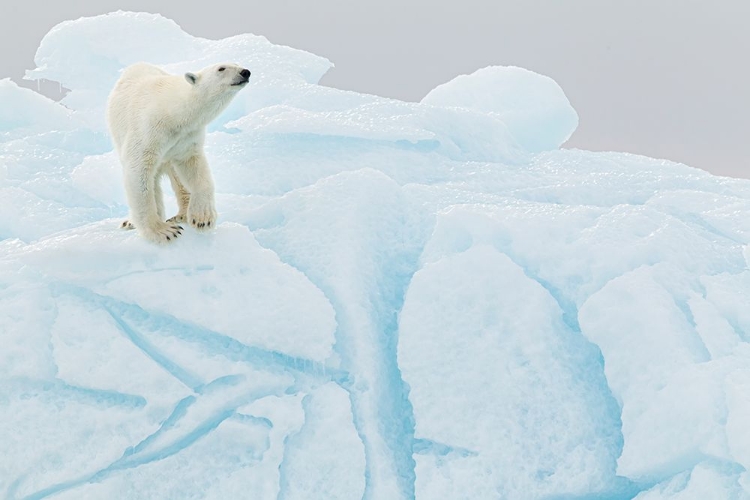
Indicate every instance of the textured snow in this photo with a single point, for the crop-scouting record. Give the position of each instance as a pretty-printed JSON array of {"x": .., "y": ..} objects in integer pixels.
[{"x": 402, "y": 300}]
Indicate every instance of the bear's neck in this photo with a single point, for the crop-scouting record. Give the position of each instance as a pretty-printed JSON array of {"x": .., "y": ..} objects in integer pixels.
[{"x": 206, "y": 107}]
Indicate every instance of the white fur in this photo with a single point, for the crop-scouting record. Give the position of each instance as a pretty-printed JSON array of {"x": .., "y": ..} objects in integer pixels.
[{"x": 158, "y": 125}]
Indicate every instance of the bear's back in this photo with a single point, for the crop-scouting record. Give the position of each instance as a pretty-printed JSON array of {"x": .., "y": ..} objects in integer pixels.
[
  {"x": 142, "y": 70},
  {"x": 138, "y": 82}
]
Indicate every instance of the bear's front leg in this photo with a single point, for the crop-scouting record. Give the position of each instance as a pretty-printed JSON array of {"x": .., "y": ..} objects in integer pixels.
[
  {"x": 201, "y": 210},
  {"x": 141, "y": 191}
]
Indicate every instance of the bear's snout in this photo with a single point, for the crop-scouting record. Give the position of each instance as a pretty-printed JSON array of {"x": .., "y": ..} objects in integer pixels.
[{"x": 245, "y": 73}]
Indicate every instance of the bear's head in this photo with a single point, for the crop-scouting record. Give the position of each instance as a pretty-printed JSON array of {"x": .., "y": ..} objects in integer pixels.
[{"x": 220, "y": 78}]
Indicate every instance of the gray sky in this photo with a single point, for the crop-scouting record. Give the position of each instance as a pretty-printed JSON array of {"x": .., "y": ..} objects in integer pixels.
[{"x": 663, "y": 78}]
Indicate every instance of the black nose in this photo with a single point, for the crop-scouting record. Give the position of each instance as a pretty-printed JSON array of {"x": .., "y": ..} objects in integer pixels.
[{"x": 245, "y": 73}]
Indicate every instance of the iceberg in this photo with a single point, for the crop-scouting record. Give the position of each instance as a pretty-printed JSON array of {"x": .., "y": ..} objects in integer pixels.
[{"x": 424, "y": 300}]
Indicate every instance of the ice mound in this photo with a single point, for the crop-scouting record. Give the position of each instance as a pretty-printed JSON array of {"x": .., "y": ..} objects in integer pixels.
[
  {"x": 533, "y": 106},
  {"x": 25, "y": 111},
  {"x": 87, "y": 55},
  {"x": 402, "y": 300}
]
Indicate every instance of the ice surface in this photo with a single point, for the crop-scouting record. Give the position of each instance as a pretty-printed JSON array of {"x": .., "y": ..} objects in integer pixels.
[
  {"x": 545, "y": 402},
  {"x": 402, "y": 300}
]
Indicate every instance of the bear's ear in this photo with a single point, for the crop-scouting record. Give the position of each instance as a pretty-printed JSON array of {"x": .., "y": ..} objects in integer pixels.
[{"x": 191, "y": 78}]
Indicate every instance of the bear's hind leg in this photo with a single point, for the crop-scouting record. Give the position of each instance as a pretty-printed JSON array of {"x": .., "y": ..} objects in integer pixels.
[
  {"x": 159, "y": 198},
  {"x": 182, "y": 195}
]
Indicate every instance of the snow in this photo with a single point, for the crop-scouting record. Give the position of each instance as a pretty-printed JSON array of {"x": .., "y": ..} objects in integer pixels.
[{"x": 402, "y": 300}]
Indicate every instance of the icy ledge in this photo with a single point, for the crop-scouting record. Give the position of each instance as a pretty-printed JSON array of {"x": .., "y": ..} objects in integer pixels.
[{"x": 403, "y": 300}]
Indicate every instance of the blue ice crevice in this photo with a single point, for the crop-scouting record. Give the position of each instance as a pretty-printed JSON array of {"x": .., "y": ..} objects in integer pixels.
[
  {"x": 367, "y": 294},
  {"x": 193, "y": 418},
  {"x": 210, "y": 342}
]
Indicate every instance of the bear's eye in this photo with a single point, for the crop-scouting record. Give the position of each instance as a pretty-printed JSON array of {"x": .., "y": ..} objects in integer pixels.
[{"x": 222, "y": 68}]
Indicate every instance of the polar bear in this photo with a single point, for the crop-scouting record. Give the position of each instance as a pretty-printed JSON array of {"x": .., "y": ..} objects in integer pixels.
[{"x": 158, "y": 125}]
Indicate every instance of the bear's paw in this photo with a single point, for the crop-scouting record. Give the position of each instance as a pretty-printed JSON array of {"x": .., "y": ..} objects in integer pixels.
[
  {"x": 161, "y": 233},
  {"x": 201, "y": 213}
]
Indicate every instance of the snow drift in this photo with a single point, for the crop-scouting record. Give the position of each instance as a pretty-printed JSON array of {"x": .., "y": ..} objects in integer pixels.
[{"x": 403, "y": 300}]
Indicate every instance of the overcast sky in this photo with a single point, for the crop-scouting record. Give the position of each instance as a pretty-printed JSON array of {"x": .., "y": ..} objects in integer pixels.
[{"x": 664, "y": 78}]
